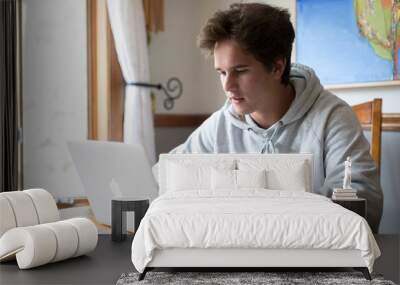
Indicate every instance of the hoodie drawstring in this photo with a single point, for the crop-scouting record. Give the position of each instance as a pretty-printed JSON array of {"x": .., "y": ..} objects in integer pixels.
[{"x": 269, "y": 145}]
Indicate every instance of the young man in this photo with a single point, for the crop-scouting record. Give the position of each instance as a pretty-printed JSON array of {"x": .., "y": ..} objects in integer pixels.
[{"x": 276, "y": 107}]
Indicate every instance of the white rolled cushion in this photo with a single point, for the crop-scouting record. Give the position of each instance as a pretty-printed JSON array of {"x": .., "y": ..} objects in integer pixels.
[
  {"x": 40, "y": 244},
  {"x": 33, "y": 245},
  {"x": 45, "y": 205},
  {"x": 251, "y": 178},
  {"x": 23, "y": 208},
  {"x": 87, "y": 235},
  {"x": 7, "y": 218},
  {"x": 67, "y": 239},
  {"x": 223, "y": 179}
]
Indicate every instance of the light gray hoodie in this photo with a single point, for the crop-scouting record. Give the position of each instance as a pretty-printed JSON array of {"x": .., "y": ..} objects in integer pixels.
[{"x": 317, "y": 122}]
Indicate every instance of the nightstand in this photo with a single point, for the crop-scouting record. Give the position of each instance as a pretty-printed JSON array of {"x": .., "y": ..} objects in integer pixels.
[
  {"x": 358, "y": 205},
  {"x": 119, "y": 207}
]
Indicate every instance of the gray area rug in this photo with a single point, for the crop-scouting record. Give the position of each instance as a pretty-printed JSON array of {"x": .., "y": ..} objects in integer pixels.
[{"x": 228, "y": 278}]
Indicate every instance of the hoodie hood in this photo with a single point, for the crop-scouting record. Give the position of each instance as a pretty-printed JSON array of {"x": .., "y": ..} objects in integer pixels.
[{"x": 307, "y": 87}]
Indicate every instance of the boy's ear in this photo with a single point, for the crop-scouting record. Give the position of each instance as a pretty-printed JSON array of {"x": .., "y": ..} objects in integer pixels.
[{"x": 279, "y": 68}]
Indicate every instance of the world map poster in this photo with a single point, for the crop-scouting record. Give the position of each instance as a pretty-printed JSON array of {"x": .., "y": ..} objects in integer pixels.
[{"x": 349, "y": 41}]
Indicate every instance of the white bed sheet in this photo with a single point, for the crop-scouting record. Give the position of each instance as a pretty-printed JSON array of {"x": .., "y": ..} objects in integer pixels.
[{"x": 251, "y": 218}]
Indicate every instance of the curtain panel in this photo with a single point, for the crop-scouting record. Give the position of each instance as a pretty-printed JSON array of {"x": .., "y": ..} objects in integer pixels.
[
  {"x": 129, "y": 31},
  {"x": 8, "y": 97}
]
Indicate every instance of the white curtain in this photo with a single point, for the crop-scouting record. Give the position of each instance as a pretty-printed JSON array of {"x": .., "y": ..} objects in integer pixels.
[{"x": 128, "y": 27}]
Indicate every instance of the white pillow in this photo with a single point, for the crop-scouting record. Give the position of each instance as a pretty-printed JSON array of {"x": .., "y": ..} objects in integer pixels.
[
  {"x": 225, "y": 179},
  {"x": 155, "y": 169},
  {"x": 292, "y": 179},
  {"x": 282, "y": 174},
  {"x": 187, "y": 177},
  {"x": 191, "y": 173},
  {"x": 251, "y": 178}
]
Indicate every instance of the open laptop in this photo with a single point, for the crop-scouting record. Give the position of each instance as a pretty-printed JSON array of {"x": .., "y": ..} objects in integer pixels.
[{"x": 112, "y": 170}]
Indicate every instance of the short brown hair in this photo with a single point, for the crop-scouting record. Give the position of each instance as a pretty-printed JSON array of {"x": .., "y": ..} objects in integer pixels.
[{"x": 262, "y": 30}]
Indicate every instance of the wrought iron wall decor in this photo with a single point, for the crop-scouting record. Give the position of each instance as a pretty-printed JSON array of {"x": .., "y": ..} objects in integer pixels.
[{"x": 173, "y": 90}]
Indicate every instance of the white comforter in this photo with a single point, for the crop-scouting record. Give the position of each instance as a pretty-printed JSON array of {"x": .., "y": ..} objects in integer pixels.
[{"x": 250, "y": 219}]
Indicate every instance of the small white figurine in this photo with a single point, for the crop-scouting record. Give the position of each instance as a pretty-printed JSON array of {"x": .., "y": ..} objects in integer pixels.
[{"x": 347, "y": 174}]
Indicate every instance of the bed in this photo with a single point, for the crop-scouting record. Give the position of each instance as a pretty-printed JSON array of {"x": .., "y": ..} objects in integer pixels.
[{"x": 247, "y": 210}]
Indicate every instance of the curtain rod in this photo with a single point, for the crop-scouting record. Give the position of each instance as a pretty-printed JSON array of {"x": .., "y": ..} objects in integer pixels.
[{"x": 174, "y": 86}]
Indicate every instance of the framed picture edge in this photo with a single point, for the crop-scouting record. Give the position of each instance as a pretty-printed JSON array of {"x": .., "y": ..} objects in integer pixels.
[
  {"x": 362, "y": 85},
  {"x": 293, "y": 10}
]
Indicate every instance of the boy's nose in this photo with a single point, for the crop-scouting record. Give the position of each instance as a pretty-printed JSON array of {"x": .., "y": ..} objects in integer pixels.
[{"x": 230, "y": 83}]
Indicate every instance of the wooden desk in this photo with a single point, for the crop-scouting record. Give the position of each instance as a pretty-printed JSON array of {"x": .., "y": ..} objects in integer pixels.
[{"x": 110, "y": 259}]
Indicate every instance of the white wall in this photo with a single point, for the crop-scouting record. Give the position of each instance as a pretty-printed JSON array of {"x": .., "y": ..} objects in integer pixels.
[
  {"x": 54, "y": 92},
  {"x": 174, "y": 53},
  {"x": 390, "y": 96}
]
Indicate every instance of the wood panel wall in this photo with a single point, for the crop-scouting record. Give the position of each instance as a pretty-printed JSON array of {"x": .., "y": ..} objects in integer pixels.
[{"x": 390, "y": 121}]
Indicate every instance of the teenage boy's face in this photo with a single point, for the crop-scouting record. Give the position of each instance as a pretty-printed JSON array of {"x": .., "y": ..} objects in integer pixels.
[{"x": 245, "y": 80}]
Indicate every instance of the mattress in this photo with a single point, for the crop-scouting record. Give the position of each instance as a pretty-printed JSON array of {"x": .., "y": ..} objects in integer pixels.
[{"x": 250, "y": 219}]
